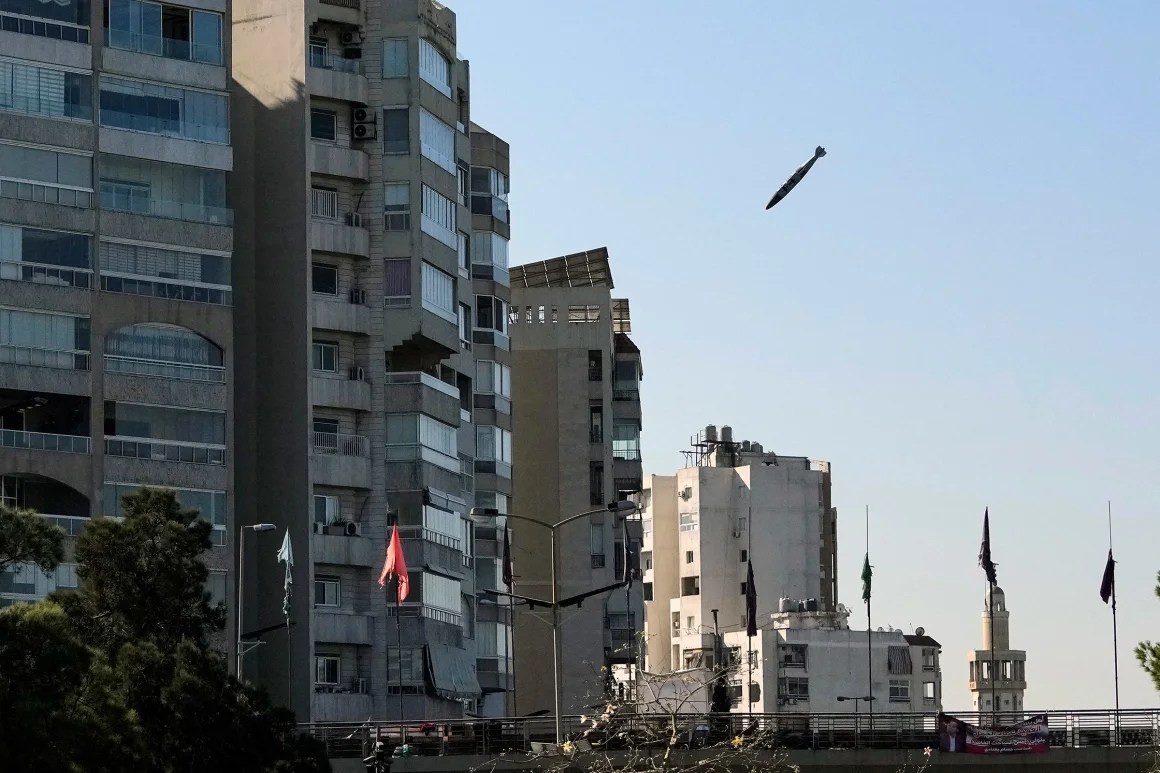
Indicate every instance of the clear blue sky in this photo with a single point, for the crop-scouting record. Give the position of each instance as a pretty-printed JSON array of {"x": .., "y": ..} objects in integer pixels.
[{"x": 957, "y": 308}]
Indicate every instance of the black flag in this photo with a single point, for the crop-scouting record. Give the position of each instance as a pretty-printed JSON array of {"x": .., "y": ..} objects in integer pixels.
[
  {"x": 507, "y": 559},
  {"x": 750, "y": 602},
  {"x": 1108, "y": 586},
  {"x": 795, "y": 178},
  {"x": 985, "y": 549}
]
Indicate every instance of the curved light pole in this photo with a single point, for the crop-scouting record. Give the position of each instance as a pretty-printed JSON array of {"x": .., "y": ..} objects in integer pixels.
[
  {"x": 620, "y": 506},
  {"x": 259, "y": 527}
]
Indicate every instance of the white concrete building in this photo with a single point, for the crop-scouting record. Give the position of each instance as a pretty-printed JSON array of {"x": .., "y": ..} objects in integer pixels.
[
  {"x": 735, "y": 502},
  {"x": 1006, "y": 694},
  {"x": 803, "y": 661}
]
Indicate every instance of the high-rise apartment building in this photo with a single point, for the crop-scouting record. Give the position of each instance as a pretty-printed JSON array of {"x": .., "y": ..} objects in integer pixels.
[
  {"x": 116, "y": 243},
  {"x": 373, "y": 353},
  {"x": 733, "y": 504},
  {"x": 576, "y": 376}
]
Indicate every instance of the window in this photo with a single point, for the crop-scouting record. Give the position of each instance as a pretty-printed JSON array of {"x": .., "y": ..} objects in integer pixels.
[
  {"x": 39, "y": 174},
  {"x": 743, "y": 589},
  {"x": 327, "y": 591},
  {"x": 744, "y": 556},
  {"x": 210, "y": 505},
  {"x": 434, "y": 67},
  {"x": 464, "y": 250},
  {"x": 324, "y": 356},
  {"x": 397, "y": 206},
  {"x": 396, "y": 130},
  {"x": 164, "y": 30},
  {"x": 326, "y": 669},
  {"x": 595, "y": 365},
  {"x": 168, "y": 110},
  {"x": 928, "y": 694},
  {"x": 75, "y": 12},
  {"x": 408, "y": 661},
  {"x": 491, "y": 314},
  {"x": 690, "y": 586},
  {"x": 439, "y": 292},
  {"x": 626, "y": 440},
  {"x": 899, "y": 691},
  {"x": 793, "y": 688},
  {"x": 326, "y": 509},
  {"x": 395, "y": 63},
  {"x": 166, "y": 273},
  {"x": 397, "y": 281},
  {"x": 215, "y": 586},
  {"x": 173, "y": 191},
  {"x": 411, "y": 429},
  {"x": 43, "y": 339},
  {"x": 324, "y": 279},
  {"x": 325, "y": 426},
  {"x": 165, "y": 351},
  {"x": 596, "y": 544},
  {"x": 39, "y": 90},
  {"x": 323, "y": 125},
  {"x": 164, "y": 433},
  {"x": 929, "y": 658},
  {"x": 437, "y": 141},
  {"x": 794, "y": 656},
  {"x": 688, "y": 556},
  {"x": 688, "y": 521},
  {"x": 493, "y": 378},
  {"x": 489, "y": 193},
  {"x": 463, "y": 175},
  {"x": 439, "y": 217},
  {"x": 596, "y": 423},
  {"x": 465, "y": 325},
  {"x": 494, "y": 444},
  {"x": 648, "y": 591},
  {"x": 441, "y": 592},
  {"x": 596, "y": 483}
]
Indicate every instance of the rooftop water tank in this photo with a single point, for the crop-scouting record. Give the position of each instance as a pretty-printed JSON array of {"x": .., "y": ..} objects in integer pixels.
[{"x": 710, "y": 432}]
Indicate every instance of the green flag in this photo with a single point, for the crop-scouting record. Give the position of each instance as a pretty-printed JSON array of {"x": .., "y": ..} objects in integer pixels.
[{"x": 867, "y": 574}]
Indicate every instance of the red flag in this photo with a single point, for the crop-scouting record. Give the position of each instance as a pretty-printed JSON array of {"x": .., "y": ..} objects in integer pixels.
[{"x": 396, "y": 567}]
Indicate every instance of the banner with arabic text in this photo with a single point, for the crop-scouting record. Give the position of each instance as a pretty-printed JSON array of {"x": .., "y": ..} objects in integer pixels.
[{"x": 1029, "y": 735}]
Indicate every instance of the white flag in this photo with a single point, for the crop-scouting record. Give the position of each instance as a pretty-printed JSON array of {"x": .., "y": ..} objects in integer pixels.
[{"x": 286, "y": 554}]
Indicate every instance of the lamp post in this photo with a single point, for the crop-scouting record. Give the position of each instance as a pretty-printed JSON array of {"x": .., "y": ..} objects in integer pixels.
[
  {"x": 241, "y": 575},
  {"x": 867, "y": 698},
  {"x": 620, "y": 506}
]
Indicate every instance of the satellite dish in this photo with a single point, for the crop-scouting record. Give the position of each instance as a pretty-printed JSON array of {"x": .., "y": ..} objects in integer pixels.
[{"x": 920, "y": 631}]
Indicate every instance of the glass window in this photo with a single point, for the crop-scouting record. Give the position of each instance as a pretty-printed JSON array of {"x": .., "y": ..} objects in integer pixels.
[
  {"x": 395, "y": 58},
  {"x": 626, "y": 440},
  {"x": 397, "y": 281},
  {"x": 323, "y": 125},
  {"x": 188, "y": 276},
  {"x": 165, "y": 30},
  {"x": 207, "y": 37},
  {"x": 490, "y": 313},
  {"x": 31, "y": 88},
  {"x": 489, "y": 248},
  {"x": 439, "y": 292},
  {"x": 327, "y": 591},
  {"x": 899, "y": 690},
  {"x": 434, "y": 67},
  {"x": 397, "y": 206},
  {"x": 210, "y": 505},
  {"x": 493, "y": 378},
  {"x": 163, "y": 343},
  {"x": 22, "y": 330},
  {"x": 493, "y": 443},
  {"x": 326, "y": 669},
  {"x": 405, "y": 666},
  {"x": 441, "y": 592},
  {"x": 324, "y": 356},
  {"x": 326, "y": 509},
  {"x": 464, "y": 250},
  {"x": 437, "y": 141},
  {"x": 20, "y": 244},
  {"x": 439, "y": 217},
  {"x": 165, "y": 190},
  {"x": 324, "y": 279},
  {"x": 158, "y": 109},
  {"x": 163, "y": 422},
  {"x": 396, "y": 130},
  {"x": 20, "y": 162},
  {"x": 69, "y": 11}
]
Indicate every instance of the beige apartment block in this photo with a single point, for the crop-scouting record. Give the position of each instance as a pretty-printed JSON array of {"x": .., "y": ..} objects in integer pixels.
[
  {"x": 374, "y": 354},
  {"x": 577, "y": 430},
  {"x": 117, "y": 358}
]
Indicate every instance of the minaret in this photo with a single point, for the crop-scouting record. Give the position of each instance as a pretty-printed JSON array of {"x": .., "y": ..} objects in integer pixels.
[{"x": 1009, "y": 665}]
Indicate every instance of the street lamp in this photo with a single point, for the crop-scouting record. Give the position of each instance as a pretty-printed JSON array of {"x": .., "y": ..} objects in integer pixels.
[
  {"x": 867, "y": 698},
  {"x": 487, "y": 513},
  {"x": 241, "y": 574}
]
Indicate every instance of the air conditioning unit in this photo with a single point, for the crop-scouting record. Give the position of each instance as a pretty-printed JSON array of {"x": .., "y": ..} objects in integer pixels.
[
  {"x": 350, "y": 38},
  {"x": 363, "y": 122},
  {"x": 686, "y": 493},
  {"x": 353, "y": 219},
  {"x": 357, "y": 373},
  {"x": 358, "y": 296},
  {"x": 352, "y": 529}
]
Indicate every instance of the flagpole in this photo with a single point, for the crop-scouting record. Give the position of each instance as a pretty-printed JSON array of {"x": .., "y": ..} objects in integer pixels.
[
  {"x": 399, "y": 643},
  {"x": 869, "y": 640},
  {"x": 1115, "y": 635},
  {"x": 991, "y": 618}
]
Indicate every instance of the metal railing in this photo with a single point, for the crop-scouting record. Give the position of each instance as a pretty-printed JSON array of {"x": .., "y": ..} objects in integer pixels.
[
  {"x": 41, "y": 273},
  {"x": 130, "y": 198},
  {"x": 632, "y": 395},
  {"x": 46, "y": 193},
  {"x": 339, "y": 444},
  {"x": 166, "y": 450},
  {"x": 323, "y": 204},
  {"x": 134, "y": 366},
  {"x": 44, "y": 441},
  {"x": 342, "y": 3},
  {"x": 429, "y": 535},
  {"x": 1066, "y": 729},
  {"x": 328, "y": 61},
  {"x": 166, "y": 288},
  {"x": 170, "y": 48},
  {"x": 69, "y": 359}
]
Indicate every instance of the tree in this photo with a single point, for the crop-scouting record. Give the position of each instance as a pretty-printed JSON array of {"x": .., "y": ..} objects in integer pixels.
[
  {"x": 1148, "y": 653},
  {"x": 27, "y": 538}
]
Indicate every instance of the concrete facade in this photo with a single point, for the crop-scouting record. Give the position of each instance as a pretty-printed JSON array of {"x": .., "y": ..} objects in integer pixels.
[
  {"x": 116, "y": 281},
  {"x": 1003, "y": 691},
  {"x": 361, "y": 201},
  {"x": 576, "y": 428}
]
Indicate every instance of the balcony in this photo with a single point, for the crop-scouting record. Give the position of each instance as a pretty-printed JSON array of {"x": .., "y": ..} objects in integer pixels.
[
  {"x": 344, "y": 313},
  {"x": 44, "y": 421},
  {"x": 44, "y": 441},
  {"x": 341, "y": 628},
  {"x": 336, "y": 443},
  {"x": 336, "y": 161},
  {"x": 328, "y": 706},
  {"x": 67, "y": 359},
  {"x": 37, "y": 273},
  {"x": 418, "y": 392},
  {"x": 132, "y": 199},
  {"x": 341, "y": 391},
  {"x": 340, "y": 460},
  {"x": 340, "y": 550},
  {"x": 152, "y": 287},
  {"x": 165, "y": 450},
  {"x": 342, "y": 237},
  {"x": 333, "y": 77},
  {"x": 134, "y": 366}
]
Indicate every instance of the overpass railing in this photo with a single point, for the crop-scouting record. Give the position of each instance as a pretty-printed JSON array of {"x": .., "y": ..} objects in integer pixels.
[{"x": 484, "y": 736}]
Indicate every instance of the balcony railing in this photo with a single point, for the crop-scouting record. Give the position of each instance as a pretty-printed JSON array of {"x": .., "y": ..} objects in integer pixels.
[
  {"x": 130, "y": 198},
  {"x": 409, "y": 451},
  {"x": 40, "y": 273},
  {"x": 418, "y": 377},
  {"x": 134, "y": 366},
  {"x": 429, "y": 535},
  {"x": 626, "y": 394},
  {"x": 10, "y": 22},
  {"x": 339, "y": 444},
  {"x": 168, "y": 289},
  {"x": 68, "y": 359},
  {"x": 328, "y": 61},
  {"x": 44, "y": 441},
  {"x": 47, "y": 194},
  {"x": 342, "y": 3},
  {"x": 165, "y": 450},
  {"x": 170, "y": 48},
  {"x": 626, "y": 454},
  {"x": 323, "y": 204},
  {"x": 419, "y": 609}
]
